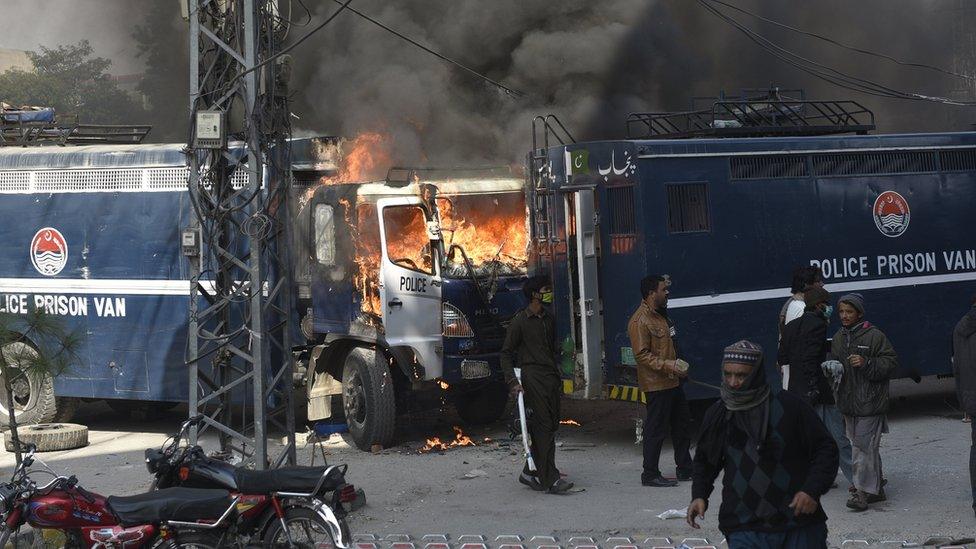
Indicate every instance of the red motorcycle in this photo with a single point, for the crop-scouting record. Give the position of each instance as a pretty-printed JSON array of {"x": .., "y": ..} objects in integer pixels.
[
  {"x": 173, "y": 518},
  {"x": 286, "y": 507}
]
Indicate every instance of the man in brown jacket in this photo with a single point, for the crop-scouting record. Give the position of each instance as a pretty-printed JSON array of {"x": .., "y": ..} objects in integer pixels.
[{"x": 658, "y": 371}]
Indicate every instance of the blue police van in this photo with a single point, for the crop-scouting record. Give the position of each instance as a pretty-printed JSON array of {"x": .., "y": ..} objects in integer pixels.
[
  {"x": 727, "y": 201},
  {"x": 92, "y": 235}
]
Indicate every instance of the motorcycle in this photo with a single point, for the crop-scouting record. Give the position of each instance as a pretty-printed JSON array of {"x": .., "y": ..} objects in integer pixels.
[
  {"x": 176, "y": 518},
  {"x": 286, "y": 507}
]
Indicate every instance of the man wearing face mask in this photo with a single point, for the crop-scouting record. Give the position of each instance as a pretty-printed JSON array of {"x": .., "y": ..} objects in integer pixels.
[
  {"x": 658, "y": 370},
  {"x": 777, "y": 458},
  {"x": 804, "y": 347},
  {"x": 530, "y": 345}
]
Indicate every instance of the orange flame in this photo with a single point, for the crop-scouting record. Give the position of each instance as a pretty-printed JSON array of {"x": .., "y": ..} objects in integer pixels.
[
  {"x": 572, "y": 422},
  {"x": 488, "y": 228},
  {"x": 436, "y": 445}
]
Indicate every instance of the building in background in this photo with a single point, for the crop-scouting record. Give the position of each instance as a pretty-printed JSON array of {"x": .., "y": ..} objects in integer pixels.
[{"x": 14, "y": 59}]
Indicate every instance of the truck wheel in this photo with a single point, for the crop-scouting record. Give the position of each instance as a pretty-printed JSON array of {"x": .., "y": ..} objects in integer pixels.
[
  {"x": 368, "y": 399},
  {"x": 50, "y": 437},
  {"x": 34, "y": 400},
  {"x": 484, "y": 405}
]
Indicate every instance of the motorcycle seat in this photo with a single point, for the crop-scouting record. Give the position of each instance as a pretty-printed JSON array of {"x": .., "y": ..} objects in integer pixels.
[
  {"x": 181, "y": 504},
  {"x": 286, "y": 479}
]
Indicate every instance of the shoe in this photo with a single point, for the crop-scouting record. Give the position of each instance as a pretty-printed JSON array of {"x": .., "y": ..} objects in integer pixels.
[
  {"x": 560, "y": 487},
  {"x": 850, "y": 489},
  {"x": 683, "y": 476},
  {"x": 877, "y": 498},
  {"x": 858, "y": 501},
  {"x": 531, "y": 482},
  {"x": 659, "y": 482}
]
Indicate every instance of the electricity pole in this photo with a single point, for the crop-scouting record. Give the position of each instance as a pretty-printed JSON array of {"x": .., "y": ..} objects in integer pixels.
[{"x": 239, "y": 349}]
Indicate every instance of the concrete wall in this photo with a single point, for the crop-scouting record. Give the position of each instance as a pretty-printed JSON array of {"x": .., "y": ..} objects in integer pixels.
[{"x": 14, "y": 59}]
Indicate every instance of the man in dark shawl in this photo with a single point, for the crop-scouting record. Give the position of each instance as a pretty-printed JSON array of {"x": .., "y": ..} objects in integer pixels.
[{"x": 777, "y": 456}]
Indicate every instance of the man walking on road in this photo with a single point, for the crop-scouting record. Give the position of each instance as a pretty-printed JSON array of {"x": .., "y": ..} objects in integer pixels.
[
  {"x": 862, "y": 396},
  {"x": 804, "y": 347},
  {"x": 777, "y": 456},
  {"x": 964, "y": 368},
  {"x": 530, "y": 345},
  {"x": 658, "y": 370}
]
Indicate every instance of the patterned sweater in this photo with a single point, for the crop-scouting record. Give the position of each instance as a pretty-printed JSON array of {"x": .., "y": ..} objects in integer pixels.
[{"x": 799, "y": 455}]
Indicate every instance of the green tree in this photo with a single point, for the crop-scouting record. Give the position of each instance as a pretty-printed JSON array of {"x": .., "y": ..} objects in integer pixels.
[
  {"x": 74, "y": 82},
  {"x": 34, "y": 348}
]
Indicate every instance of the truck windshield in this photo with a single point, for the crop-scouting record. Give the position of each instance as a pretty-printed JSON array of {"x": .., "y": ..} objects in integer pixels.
[{"x": 485, "y": 235}]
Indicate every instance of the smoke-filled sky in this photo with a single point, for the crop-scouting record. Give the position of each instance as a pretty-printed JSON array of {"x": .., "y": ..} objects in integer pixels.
[{"x": 589, "y": 62}]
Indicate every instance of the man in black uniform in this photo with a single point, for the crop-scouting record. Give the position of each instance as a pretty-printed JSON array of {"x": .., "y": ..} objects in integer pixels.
[{"x": 530, "y": 345}]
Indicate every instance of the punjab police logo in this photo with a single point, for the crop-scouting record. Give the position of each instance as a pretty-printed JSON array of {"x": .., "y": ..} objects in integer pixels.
[
  {"x": 49, "y": 251},
  {"x": 891, "y": 214}
]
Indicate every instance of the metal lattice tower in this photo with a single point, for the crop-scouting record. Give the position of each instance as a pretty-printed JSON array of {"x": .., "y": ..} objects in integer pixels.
[{"x": 239, "y": 346}]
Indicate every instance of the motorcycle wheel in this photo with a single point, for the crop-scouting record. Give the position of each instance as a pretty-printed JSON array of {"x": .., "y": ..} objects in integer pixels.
[
  {"x": 305, "y": 530},
  {"x": 197, "y": 540}
]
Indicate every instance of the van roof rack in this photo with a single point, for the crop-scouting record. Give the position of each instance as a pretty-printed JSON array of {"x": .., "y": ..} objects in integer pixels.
[
  {"x": 23, "y": 128},
  {"x": 769, "y": 113}
]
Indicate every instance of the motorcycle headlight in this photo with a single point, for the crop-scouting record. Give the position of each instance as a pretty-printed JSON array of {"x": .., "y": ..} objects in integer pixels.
[{"x": 153, "y": 459}]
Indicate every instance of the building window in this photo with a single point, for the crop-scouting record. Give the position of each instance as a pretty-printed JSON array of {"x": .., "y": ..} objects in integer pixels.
[
  {"x": 324, "y": 227},
  {"x": 688, "y": 208}
]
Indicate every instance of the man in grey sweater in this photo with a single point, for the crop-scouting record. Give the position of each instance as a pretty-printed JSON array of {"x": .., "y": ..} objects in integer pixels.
[{"x": 869, "y": 360}]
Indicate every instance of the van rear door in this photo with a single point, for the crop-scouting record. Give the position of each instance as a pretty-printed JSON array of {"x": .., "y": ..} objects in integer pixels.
[{"x": 410, "y": 280}]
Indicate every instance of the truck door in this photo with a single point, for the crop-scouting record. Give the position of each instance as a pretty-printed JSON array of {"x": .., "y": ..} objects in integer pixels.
[
  {"x": 410, "y": 280},
  {"x": 581, "y": 212}
]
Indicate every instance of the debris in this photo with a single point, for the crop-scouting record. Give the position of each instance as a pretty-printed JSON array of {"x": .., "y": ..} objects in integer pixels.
[
  {"x": 474, "y": 473},
  {"x": 376, "y": 448},
  {"x": 572, "y": 422},
  {"x": 673, "y": 513}
]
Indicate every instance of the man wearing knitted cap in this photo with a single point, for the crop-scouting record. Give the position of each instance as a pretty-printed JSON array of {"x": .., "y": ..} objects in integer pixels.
[
  {"x": 777, "y": 457},
  {"x": 804, "y": 347},
  {"x": 868, "y": 361}
]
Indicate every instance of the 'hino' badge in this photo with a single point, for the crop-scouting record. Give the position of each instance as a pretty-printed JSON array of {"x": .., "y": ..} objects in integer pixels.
[
  {"x": 49, "y": 251},
  {"x": 891, "y": 214}
]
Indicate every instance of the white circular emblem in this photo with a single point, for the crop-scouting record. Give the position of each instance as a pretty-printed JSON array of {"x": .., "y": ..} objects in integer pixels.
[
  {"x": 891, "y": 214},
  {"x": 49, "y": 251}
]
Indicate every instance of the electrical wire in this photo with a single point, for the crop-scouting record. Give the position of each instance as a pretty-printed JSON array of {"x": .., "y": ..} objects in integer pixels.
[
  {"x": 843, "y": 45},
  {"x": 510, "y": 91},
  {"x": 827, "y": 73}
]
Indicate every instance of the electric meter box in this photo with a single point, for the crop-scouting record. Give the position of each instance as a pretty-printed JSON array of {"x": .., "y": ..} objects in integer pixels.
[{"x": 210, "y": 130}]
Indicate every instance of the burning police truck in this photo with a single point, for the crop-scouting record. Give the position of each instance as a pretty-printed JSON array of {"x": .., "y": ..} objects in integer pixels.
[{"x": 403, "y": 285}]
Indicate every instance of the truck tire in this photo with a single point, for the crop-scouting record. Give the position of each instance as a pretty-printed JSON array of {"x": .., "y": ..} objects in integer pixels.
[
  {"x": 368, "y": 399},
  {"x": 484, "y": 405},
  {"x": 50, "y": 437},
  {"x": 34, "y": 400}
]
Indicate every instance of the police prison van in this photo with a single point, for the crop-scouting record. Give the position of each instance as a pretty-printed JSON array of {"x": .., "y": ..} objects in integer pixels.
[
  {"x": 92, "y": 235},
  {"x": 406, "y": 293},
  {"x": 729, "y": 218}
]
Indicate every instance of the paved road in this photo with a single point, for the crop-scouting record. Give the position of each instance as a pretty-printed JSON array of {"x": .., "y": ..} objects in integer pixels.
[{"x": 473, "y": 490}]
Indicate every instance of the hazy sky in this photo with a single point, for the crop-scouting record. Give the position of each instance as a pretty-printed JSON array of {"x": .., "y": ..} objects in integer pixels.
[{"x": 107, "y": 24}]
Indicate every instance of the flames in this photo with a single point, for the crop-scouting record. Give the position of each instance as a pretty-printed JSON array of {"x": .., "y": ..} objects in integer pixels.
[
  {"x": 491, "y": 229},
  {"x": 365, "y": 158},
  {"x": 436, "y": 445},
  {"x": 572, "y": 422}
]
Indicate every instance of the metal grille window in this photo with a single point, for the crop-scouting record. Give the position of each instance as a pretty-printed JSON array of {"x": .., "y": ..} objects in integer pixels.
[
  {"x": 873, "y": 163},
  {"x": 688, "y": 208},
  {"x": 768, "y": 167},
  {"x": 958, "y": 161},
  {"x": 621, "y": 208},
  {"x": 325, "y": 249}
]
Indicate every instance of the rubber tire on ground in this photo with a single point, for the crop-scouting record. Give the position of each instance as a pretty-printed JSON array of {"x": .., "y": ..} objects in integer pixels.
[
  {"x": 44, "y": 408},
  {"x": 484, "y": 405},
  {"x": 296, "y": 513},
  {"x": 371, "y": 416},
  {"x": 49, "y": 437}
]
